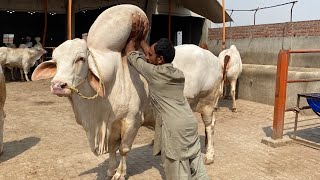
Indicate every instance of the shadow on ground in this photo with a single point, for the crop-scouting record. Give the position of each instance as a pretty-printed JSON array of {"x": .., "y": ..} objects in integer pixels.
[
  {"x": 141, "y": 163},
  {"x": 140, "y": 158},
  {"x": 14, "y": 148}
]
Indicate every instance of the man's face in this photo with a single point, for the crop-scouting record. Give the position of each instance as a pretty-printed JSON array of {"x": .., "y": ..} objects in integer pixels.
[{"x": 153, "y": 58}]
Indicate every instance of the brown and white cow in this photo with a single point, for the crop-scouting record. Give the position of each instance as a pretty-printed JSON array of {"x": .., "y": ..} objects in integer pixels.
[
  {"x": 2, "y": 101},
  {"x": 22, "y": 58}
]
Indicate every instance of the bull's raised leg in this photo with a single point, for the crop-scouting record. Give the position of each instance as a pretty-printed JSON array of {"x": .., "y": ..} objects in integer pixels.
[
  {"x": 129, "y": 130},
  {"x": 233, "y": 94},
  {"x": 209, "y": 122}
]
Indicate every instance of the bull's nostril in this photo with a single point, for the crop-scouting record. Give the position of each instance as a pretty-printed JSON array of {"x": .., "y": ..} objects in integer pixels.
[{"x": 63, "y": 85}]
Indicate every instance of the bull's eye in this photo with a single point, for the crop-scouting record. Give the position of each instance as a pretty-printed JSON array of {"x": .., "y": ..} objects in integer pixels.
[{"x": 80, "y": 59}]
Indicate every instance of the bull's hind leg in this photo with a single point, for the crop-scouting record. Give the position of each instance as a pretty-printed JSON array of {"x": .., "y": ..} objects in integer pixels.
[
  {"x": 129, "y": 130},
  {"x": 209, "y": 122},
  {"x": 233, "y": 94}
]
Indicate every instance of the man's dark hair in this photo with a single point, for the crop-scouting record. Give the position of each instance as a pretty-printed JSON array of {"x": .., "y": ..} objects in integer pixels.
[{"x": 165, "y": 48}]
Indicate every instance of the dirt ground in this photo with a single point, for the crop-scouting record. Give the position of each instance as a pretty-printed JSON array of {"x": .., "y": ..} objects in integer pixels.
[{"x": 43, "y": 141}]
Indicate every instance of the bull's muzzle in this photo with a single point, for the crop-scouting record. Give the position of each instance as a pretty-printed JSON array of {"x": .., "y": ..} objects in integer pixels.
[{"x": 60, "y": 88}]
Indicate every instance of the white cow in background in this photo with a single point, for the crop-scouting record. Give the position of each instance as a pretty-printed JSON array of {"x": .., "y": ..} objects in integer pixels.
[
  {"x": 22, "y": 58},
  {"x": 203, "y": 77},
  {"x": 231, "y": 64},
  {"x": 2, "y": 100},
  {"x": 119, "y": 96}
]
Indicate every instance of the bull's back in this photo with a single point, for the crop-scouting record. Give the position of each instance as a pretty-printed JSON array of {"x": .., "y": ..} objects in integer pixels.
[
  {"x": 201, "y": 69},
  {"x": 117, "y": 21}
]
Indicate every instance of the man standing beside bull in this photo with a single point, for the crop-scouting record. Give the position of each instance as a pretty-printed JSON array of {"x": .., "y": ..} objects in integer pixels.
[{"x": 176, "y": 131}]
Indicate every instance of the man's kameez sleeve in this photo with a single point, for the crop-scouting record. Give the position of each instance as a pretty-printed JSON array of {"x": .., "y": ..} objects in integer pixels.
[{"x": 138, "y": 61}]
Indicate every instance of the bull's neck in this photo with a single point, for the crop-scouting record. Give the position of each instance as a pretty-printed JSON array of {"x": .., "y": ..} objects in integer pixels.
[{"x": 121, "y": 85}]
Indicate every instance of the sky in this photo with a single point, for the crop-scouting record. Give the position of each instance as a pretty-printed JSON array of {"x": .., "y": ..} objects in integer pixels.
[{"x": 303, "y": 10}]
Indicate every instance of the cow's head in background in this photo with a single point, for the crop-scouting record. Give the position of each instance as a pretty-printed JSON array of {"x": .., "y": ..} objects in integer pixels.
[{"x": 69, "y": 67}]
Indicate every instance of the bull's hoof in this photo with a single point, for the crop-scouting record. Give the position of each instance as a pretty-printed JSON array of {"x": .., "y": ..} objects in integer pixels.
[
  {"x": 216, "y": 109},
  {"x": 234, "y": 110},
  {"x": 209, "y": 161},
  {"x": 118, "y": 176}
]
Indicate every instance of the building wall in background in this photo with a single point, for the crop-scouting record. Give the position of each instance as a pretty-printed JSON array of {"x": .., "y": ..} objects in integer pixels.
[{"x": 259, "y": 46}]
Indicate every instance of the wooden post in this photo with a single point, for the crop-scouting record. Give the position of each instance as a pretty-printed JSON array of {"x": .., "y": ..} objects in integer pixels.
[
  {"x": 45, "y": 8},
  {"x": 280, "y": 94},
  {"x": 224, "y": 26},
  {"x": 69, "y": 19}
]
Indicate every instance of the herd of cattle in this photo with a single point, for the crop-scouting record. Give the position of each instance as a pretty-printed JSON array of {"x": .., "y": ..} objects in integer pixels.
[{"x": 109, "y": 98}]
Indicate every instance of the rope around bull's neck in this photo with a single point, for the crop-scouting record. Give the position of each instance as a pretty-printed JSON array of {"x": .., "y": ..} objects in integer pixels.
[{"x": 101, "y": 84}]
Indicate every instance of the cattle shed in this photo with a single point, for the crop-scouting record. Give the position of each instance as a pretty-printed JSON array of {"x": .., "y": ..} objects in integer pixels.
[{"x": 183, "y": 21}]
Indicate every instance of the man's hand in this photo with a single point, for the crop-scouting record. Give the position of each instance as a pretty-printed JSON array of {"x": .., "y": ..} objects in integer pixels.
[
  {"x": 131, "y": 46},
  {"x": 139, "y": 30}
]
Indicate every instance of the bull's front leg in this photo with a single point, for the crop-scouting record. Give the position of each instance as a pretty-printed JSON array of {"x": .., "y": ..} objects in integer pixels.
[
  {"x": 129, "y": 130},
  {"x": 113, "y": 146},
  {"x": 209, "y": 121},
  {"x": 25, "y": 74}
]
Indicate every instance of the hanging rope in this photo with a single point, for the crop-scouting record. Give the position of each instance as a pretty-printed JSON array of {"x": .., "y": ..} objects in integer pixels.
[{"x": 101, "y": 84}]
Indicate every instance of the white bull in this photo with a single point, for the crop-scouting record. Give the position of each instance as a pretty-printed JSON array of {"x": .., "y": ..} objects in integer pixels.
[
  {"x": 112, "y": 119},
  {"x": 23, "y": 58},
  {"x": 2, "y": 100},
  {"x": 231, "y": 64}
]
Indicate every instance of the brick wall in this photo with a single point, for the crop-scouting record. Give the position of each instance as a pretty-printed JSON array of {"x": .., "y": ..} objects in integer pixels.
[{"x": 302, "y": 28}]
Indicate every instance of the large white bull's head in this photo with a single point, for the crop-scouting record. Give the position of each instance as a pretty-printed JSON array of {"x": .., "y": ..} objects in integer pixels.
[{"x": 69, "y": 68}]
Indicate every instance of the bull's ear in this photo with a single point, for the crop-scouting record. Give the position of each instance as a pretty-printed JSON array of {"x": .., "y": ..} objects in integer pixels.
[
  {"x": 95, "y": 84},
  {"x": 45, "y": 70}
]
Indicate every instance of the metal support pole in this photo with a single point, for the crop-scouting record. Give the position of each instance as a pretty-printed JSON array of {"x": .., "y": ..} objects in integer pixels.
[
  {"x": 45, "y": 8},
  {"x": 224, "y": 26},
  {"x": 293, "y": 3},
  {"x": 169, "y": 21},
  {"x": 296, "y": 118},
  {"x": 280, "y": 94},
  {"x": 254, "y": 17},
  {"x": 69, "y": 19}
]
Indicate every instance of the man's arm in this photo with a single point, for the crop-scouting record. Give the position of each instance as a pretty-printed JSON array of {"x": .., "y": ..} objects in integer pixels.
[{"x": 138, "y": 61}]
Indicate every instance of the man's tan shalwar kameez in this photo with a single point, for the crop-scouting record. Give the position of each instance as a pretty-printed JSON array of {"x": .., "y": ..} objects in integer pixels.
[{"x": 176, "y": 131}]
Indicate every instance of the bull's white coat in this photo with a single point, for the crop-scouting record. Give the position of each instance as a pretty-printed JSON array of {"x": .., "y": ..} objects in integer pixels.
[
  {"x": 23, "y": 58},
  {"x": 112, "y": 120}
]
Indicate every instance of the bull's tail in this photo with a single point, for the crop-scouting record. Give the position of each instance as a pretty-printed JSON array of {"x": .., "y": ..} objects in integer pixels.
[
  {"x": 204, "y": 46},
  {"x": 226, "y": 61}
]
